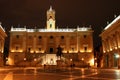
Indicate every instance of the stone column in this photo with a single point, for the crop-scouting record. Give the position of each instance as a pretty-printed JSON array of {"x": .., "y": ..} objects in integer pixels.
[
  {"x": 118, "y": 39},
  {"x": 67, "y": 43},
  {"x": 24, "y": 47},
  {"x": 103, "y": 45},
  {"x": 119, "y": 59},
  {"x": 11, "y": 46},
  {"x": 57, "y": 41},
  {"x": 2, "y": 45},
  {"x": 45, "y": 42},
  {"x": 34, "y": 43},
  {"x": 109, "y": 43},
  {"x": 78, "y": 43}
]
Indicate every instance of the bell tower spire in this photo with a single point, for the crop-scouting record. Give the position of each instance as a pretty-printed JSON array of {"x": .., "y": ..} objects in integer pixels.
[{"x": 50, "y": 19}]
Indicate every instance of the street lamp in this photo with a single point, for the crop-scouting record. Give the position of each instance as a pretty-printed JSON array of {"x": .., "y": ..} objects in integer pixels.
[
  {"x": 35, "y": 59},
  {"x": 117, "y": 56},
  {"x": 24, "y": 59}
]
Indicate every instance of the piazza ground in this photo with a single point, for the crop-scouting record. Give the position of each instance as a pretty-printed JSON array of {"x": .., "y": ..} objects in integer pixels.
[{"x": 32, "y": 73}]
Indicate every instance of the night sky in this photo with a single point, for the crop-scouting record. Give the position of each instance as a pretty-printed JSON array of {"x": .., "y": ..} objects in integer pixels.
[{"x": 68, "y": 13}]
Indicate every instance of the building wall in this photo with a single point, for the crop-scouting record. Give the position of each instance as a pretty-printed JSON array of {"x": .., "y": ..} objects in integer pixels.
[
  {"x": 46, "y": 41},
  {"x": 41, "y": 42},
  {"x": 111, "y": 43},
  {"x": 2, "y": 41}
]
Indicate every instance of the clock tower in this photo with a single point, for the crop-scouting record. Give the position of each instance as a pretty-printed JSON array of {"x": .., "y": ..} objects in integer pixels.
[{"x": 50, "y": 19}]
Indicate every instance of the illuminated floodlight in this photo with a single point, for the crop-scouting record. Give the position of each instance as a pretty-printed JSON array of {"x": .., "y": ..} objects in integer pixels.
[{"x": 117, "y": 56}]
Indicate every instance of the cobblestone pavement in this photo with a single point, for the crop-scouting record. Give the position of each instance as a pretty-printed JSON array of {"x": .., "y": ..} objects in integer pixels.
[{"x": 58, "y": 74}]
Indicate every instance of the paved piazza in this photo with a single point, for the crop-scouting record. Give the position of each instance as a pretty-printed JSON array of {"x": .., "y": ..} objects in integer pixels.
[{"x": 31, "y": 73}]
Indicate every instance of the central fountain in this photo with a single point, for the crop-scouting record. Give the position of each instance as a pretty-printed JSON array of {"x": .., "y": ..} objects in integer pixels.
[{"x": 49, "y": 59}]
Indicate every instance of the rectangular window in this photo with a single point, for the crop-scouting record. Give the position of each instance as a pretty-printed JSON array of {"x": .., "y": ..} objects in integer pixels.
[
  {"x": 85, "y": 36},
  {"x": 39, "y": 49},
  {"x": 72, "y": 49},
  {"x": 29, "y": 49},
  {"x": 17, "y": 47},
  {"x": 17, "y": 36}
]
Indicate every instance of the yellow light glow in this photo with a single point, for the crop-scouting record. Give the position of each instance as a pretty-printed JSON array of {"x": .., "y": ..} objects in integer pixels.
[
  {"x": 2, "y": 51},
  {"x": 12, "y": 50},
  {"x": 119, "y": 46},
  {"x": 24, "y": 59},
  {"x": 32, "y": 51},
  {"x": 89, "y": 50},
  {"x": 115, "y": 47},
  {"x": 110, "y": 49},
  {"x": 73, "y": 51},
  {"x": 82, "y": 59},
  {"x": 40, "y": 51},
  {"x": 20, "y": 50},
  {"x": 35, "y": 59},
  {"x": 91, "y": 62},
  {"x": 104, "y": 51},
  {"x": 10, "y": 61},
  {"x": 37, "y": 51},
  {"x": 64, "y": 51},
  {"x": 70, "y": 59},
  {"x": 81, "y": 51}
]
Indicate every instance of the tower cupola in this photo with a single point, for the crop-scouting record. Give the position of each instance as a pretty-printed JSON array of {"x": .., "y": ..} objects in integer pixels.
[{"x": 51, "y": 19}]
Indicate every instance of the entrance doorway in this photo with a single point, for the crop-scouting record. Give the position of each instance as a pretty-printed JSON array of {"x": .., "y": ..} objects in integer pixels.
[{"x": 51, "y": 50}]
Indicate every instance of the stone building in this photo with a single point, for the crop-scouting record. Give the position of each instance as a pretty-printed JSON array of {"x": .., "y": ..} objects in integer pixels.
[
  {"x": 2, "y": 41},
  {"x": 40, "y": 45},
  {"x": 111, "y": 43}
]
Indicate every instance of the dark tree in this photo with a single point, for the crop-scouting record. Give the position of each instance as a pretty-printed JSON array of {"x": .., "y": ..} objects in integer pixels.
[
  {"x": 98, "y": 54},
  {"x": 59, "y": 52}
]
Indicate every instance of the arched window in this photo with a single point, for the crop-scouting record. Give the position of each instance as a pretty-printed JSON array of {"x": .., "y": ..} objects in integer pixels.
[{"x": 50, "y": 25}]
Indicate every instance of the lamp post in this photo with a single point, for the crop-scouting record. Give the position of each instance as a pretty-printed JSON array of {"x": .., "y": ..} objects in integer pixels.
[{"x": 71, "y": 65}]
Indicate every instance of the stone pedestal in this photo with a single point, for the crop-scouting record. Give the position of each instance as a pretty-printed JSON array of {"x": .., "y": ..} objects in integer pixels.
[{"x": 59, "y": 62}]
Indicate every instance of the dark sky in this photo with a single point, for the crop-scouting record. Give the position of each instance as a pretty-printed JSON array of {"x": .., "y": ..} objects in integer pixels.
[{"x": 68, "y": 13}]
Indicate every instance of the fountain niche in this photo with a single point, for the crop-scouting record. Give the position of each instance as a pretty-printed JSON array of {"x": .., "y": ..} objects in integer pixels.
[{"x": 49, "y": 59}]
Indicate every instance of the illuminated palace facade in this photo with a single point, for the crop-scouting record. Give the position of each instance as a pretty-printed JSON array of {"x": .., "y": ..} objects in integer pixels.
[
  {"x": 40, "y": 45},
  {"x": 2, "y": 41},
  {"x": 111, "y": 44}
]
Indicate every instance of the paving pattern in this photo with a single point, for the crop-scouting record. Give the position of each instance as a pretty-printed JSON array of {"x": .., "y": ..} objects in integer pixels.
[{"x": 63, "y": 74}]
